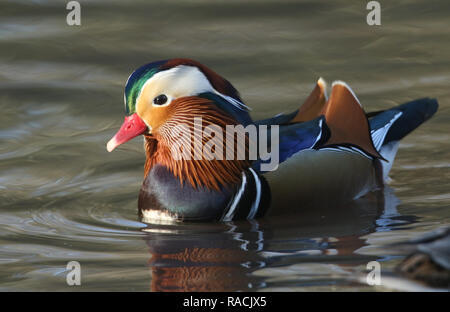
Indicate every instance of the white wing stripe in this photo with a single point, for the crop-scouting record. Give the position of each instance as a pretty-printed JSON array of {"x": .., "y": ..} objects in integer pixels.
[
  {"x": 351, "y": 150},
  {"x": 379, "y": 134},
  {"x": 320, "y": 134},
  {"x": 233, "y": 101}
]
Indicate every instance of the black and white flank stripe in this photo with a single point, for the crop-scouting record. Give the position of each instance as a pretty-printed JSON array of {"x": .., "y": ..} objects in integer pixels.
[{"x": 251, "y": 200}]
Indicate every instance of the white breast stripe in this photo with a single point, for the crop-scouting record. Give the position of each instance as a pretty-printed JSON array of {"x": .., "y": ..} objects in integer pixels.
[
  {"x": 230, "y": 213},
  {"x": 255, "y": 204},
  {"x": 379, "y": 135}
]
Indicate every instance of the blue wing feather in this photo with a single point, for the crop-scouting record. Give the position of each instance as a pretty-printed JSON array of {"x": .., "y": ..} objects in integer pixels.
[{"x": 295, "y": 137}]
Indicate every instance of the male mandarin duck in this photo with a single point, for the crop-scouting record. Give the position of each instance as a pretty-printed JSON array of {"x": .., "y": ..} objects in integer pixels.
[{"x": 329, "y": 150}]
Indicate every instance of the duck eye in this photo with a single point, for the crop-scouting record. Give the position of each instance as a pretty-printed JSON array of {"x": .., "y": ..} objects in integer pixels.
[{"x": 160, "y": 99}]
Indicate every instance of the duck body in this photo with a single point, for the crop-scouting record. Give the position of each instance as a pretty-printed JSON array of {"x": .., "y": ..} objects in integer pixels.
[
  {"x": 158, "y": 202},
  {"x": 328, "y": 151}
]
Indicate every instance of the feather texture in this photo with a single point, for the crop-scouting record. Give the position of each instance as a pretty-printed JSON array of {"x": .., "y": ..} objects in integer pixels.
[{"x": 208, "y": 171}]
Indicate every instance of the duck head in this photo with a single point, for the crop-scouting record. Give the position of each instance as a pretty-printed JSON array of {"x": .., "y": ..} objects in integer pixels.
[{"x": 163, "y": 95}]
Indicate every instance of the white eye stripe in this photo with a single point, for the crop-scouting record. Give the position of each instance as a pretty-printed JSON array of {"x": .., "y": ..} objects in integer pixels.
[
  {"x": 179, "y": 81},
  {"x": 183, "y": 81}
]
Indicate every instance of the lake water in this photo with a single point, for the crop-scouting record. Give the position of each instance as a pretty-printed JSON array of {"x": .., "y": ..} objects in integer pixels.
[{"x": 64, "y": 198}]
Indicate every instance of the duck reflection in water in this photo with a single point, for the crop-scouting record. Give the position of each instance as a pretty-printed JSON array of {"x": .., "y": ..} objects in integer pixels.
[{"x": 224, "y": 256}]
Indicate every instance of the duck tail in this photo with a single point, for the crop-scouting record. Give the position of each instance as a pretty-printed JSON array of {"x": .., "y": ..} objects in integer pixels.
[
  {"x": 388, "y": 127},
  {"x": 402, "y": 119}
]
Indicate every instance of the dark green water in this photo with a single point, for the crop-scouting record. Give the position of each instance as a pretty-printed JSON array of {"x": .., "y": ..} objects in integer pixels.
[{"x": 64, "y": 198}]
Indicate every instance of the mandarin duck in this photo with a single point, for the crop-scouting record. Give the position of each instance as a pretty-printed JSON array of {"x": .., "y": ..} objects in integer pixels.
[{"x": 327, "y": 151}]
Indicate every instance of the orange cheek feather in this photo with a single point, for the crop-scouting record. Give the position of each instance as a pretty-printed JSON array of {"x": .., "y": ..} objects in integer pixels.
[{"x": 153, "y": 116}]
